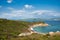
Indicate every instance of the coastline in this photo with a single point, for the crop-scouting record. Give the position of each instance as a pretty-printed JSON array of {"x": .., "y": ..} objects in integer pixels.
[
  {"x": 31, "y": 30},
  {"x": 35, "y": 25},
  {"x": 50, "y": 33}
]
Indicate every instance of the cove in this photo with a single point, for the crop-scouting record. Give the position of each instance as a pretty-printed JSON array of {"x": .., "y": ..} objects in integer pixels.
[{"x": 53, "y": 27}]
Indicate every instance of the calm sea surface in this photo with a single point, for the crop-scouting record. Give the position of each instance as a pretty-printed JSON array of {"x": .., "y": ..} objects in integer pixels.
[{"x": 53, "y": 27}]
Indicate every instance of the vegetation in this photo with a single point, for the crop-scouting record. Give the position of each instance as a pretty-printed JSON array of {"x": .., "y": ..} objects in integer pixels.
[{"x": 9, "y": 30}]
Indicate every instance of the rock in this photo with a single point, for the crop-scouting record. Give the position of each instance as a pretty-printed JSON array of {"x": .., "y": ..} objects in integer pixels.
[{"x": 51, "y": 33}]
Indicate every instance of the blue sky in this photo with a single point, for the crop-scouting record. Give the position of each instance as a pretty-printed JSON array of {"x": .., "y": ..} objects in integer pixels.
[{"x": 22, "y": 9}]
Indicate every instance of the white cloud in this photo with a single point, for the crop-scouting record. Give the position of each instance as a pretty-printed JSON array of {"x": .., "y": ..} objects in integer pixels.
[
  {"x": 56, "y": 14},
  {"x": 28, "y": 6},
  {"x": 9, "y": 1},
  {"x": 20, "y": 14},
  {"x": 12, "y": 14},
  {"x": 16, "y": 13},
  {"x": 40, "y": 12}
]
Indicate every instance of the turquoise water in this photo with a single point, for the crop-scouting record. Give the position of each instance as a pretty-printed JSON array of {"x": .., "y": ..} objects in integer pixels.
[{"x": 53, "y": 27}]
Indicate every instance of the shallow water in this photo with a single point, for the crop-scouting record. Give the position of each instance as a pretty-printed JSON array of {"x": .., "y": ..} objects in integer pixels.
[{"x": 53, "y": 27}]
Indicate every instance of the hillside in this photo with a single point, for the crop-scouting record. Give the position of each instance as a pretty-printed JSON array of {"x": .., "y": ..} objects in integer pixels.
[{"x": 9, "y": 30}]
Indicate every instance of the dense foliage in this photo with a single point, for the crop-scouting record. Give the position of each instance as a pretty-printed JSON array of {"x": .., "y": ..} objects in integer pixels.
[{"x": 9, "y": 30}]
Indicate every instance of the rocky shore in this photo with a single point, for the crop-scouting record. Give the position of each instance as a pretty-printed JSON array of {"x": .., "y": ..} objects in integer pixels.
[{"x": 41, "y": 24}]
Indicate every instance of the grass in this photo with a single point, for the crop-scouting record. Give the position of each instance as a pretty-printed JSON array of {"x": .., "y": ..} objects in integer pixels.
[{"x": 9, "y": 30}]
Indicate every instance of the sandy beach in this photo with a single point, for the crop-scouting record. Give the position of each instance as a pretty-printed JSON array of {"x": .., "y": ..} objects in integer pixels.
[
  {"x": 32, "y": 30},
  {"x": 35, "y": 25}
]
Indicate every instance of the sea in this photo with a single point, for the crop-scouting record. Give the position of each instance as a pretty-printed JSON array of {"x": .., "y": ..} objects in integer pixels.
[{"x": 53, "y": 26}]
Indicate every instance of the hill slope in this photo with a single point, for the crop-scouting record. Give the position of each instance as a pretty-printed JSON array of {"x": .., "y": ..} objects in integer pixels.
[{"x": 9, "y": 30}]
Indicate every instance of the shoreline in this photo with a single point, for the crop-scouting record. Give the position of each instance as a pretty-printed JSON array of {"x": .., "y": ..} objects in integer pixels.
[
  {"x": 35, "y": 25},
  {"x": 50, "y": 33},
  {"x": 31, "y": 31},
  {"x": 41, "y": 24}
]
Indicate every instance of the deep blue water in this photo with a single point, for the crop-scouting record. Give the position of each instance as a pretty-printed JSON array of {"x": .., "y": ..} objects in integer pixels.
[{"x": 53, "y": 27}]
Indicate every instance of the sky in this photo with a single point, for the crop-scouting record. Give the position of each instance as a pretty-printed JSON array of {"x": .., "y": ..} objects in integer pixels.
[{"x": 23, "y": 9}]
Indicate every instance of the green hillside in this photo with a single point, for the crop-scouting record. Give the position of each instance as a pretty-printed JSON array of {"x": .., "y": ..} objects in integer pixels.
[{"x": 9, "y": 30}]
